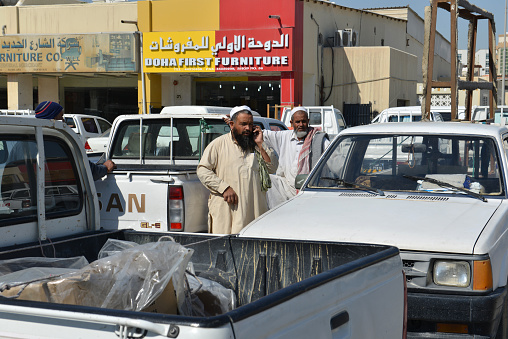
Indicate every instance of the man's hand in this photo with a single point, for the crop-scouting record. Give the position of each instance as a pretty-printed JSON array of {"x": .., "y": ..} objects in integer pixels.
[
  {"x": 230, "y": 196},
  {"x": 110, "y": 165},
  {"x": 226, "y": 119},
  {"x": 258, "y": 135}
]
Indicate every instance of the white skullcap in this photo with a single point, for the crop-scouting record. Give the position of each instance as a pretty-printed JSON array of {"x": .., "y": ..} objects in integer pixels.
[
  {"x": 297, "y": 109},
  {"x": 237, "y": 109}
]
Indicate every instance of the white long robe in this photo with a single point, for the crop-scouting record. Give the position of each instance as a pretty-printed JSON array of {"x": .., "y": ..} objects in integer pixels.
[
  {"x": 288, "y": 148},
  {"x": 224, "y": 164}
]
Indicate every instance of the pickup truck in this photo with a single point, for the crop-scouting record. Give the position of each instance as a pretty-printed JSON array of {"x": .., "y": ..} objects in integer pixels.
[
  {"x": 282, "y": 288},
  {"x": 438, "y": 192},
  {"x": 158, "y": 189}
]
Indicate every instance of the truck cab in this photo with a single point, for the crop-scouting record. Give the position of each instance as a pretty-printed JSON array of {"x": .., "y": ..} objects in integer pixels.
[
  {"x": 437, "y": 191},
  {"x": 52, "y": 193}
]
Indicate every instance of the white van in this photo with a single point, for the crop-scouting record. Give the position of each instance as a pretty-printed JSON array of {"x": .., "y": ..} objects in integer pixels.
[
  {"x": 329, "y": 118},
  {"x": 414, "y": 113}
]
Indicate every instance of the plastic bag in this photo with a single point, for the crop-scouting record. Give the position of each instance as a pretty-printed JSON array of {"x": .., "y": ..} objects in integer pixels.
[
  {"x": 208, "y": 298},
  {"x": 131, "y": 279},
  {"x": 20, "y": 271},
  {"x": 113, "y": 246}
]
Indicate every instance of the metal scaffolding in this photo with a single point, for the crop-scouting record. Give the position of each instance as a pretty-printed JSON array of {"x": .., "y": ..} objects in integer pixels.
[{"x": 465, "y": 10}]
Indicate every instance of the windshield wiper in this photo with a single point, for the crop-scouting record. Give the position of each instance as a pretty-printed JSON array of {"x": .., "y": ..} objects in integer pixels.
[
  {"x": 354, "y": 184},
  {"x": 447, "y": 185}
]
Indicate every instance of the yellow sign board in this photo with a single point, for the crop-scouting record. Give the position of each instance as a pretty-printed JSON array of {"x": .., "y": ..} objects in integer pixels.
[
  {"x": 104, "y": 52},
  {"x": 191, "y": 51}
]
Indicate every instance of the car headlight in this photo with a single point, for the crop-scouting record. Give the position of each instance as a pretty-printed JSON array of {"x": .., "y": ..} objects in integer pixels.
[{"x": 452, "y": 273}]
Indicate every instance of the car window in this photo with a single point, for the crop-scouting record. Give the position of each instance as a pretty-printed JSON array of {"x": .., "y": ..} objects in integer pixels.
[
  {"x": 61, "y": 172},
  {"x": 89, "y": 125},
  {"x": 277, "y": 127},
  {"x": 18, "y": 183},
  {"x": 340, "y": 120},
  {"x": 103, "y": 124},
  {"x": 315, "y": 118},
  {"x": 186, "y": 143},
  {"x": 105, "y": 134},
  {"x": 70, "y": 122}
]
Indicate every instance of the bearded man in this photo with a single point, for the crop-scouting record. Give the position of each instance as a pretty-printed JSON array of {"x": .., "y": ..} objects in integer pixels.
[
  {"x": 298, "y": 151},
  {"x": 234, "y": 167}
]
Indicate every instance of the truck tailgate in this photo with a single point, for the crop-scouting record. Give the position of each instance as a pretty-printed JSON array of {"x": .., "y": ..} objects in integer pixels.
[{"x": 143, "y": 200}]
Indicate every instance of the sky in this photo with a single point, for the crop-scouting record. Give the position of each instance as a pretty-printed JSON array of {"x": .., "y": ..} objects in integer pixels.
[{"x": 496, "y": 7}]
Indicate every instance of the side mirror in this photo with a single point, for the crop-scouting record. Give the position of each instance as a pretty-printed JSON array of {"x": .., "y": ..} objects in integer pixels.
[
  {"x": 299, "y": 180},
  {"x": 4, "y": 152}
]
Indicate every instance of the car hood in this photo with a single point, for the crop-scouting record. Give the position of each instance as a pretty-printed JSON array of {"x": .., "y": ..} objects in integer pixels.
[{"x": 410, "y": 222}]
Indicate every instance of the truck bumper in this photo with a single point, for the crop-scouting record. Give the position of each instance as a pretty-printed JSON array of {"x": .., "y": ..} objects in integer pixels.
[{"x": 481, "y": 314}]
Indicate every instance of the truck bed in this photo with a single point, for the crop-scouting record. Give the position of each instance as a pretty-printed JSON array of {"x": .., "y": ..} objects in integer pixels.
[{"x": 264, "y": 273}]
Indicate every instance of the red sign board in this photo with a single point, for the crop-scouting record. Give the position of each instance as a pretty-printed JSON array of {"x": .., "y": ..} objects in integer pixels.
[{"x": 253, "y": 50}]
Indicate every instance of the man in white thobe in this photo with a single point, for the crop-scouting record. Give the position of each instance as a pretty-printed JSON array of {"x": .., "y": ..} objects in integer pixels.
[
  {"x": 230, "y": 169},
  {"x": 292, "y": 161}
]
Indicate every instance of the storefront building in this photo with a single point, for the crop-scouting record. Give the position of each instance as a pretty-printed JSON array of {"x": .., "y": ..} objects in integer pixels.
[
  {"x": 208, "y": 52},
  {"x": 109, "y": 58},
  {"x": 81, "y": 56}
]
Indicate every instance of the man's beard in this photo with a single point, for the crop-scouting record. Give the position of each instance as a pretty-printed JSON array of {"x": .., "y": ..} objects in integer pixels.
[
  {"x": 301, "y": 134},
  {"x": 246, "y": 142}
]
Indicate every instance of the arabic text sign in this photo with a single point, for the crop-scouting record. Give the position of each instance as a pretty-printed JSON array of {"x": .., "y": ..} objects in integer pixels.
[
  {"x": 105, "y": 52},
  {"x": 209, "y": 51},
  {"x": 178, "y": 51}
]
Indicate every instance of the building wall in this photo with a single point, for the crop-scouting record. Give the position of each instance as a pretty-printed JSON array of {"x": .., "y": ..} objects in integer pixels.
[
  {"x": 373, "y": 29},
  {"x": 379, "y": 75},
  {"x": 53, "y": 19}
]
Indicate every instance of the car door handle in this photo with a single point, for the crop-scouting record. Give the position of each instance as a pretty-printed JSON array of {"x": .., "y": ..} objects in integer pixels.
[
  {"x": 163, "y": 180},
  {"x": 339, "y": 320}
]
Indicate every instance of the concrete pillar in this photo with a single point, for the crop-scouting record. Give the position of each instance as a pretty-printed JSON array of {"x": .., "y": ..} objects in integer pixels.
[
  {"x": 48, "y": 89},
  {"x": 152, "y": 92},
  {"x": 20, "y": 93}
]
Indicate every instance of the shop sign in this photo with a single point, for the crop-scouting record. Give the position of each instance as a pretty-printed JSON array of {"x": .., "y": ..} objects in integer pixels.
[
  {"x": 104, "y": 52},
  {"x": 218, "y": 51}
]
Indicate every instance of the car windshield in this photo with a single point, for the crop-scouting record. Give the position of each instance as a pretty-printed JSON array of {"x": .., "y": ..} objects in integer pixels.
[{"x": 411, "y": 163}]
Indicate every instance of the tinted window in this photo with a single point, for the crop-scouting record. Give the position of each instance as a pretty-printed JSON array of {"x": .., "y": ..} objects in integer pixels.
[
  {"x": 70, "y": 122},
  {"x": 104, "y": 125},
  {"x": 89, "y": 125}
]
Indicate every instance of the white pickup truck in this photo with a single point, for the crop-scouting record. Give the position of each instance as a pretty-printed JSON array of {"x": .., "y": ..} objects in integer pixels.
[
  {"x": 282, "y": 288},
  {"x": 158, "y": 189},
  {"x": 438, "y": 192}
]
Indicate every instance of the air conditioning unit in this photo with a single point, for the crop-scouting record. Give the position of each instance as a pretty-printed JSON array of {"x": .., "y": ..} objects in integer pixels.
[
  {"x": 341, "y": 38},
  {"x": 354, "y": 37}
]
